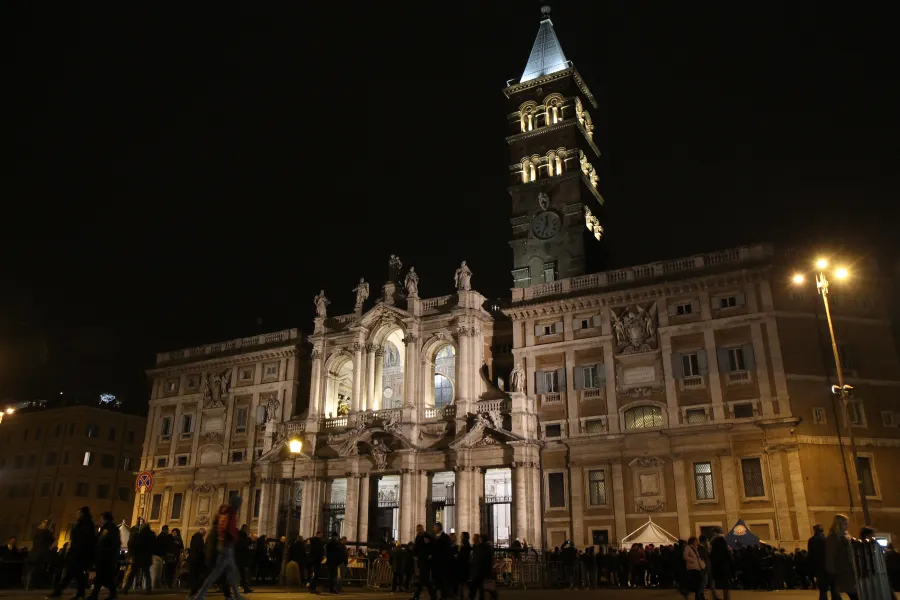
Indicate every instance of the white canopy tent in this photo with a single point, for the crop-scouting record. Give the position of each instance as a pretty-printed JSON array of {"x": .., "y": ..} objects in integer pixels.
[{"x": 648, "y": 533}]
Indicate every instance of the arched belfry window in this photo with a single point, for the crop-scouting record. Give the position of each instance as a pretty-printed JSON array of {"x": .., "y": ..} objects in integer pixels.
[{"x": 643, "y": 417}]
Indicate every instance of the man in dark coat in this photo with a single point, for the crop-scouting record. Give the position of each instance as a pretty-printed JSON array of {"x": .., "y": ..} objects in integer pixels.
[
  {"x": 440, "y": 558},
  {"x": 423, "y": 547},
  {"x": 815, "y": 563},
  {"x": 141, "y": 551},
  {"x": 335, "y": 556},
  {"x": 83, "y": 543},
  {"x": 316, "y": 554},
  {"x": 197, "y": 560},
  {"x": 109, "y": 544},
  {"x": 720, "y": 563},
  {"x": 399, "y": 556},
  {"x": 39, "y": 556}
]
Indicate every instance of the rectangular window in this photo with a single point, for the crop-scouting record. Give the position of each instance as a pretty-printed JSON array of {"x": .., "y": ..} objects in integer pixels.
[
  {"x": 553, "y": 431},
  {"x": 270, "y": 371},
  {"x": 690, "y": 364},
  {"x": 191, "y": 382},
  {"x": 237, "y": 456},
  {"x": 25, "y": 436},
  {"x": 165, "y": 428},
  {"x": 743, "y": 411},
  {"x": 257, "y": 501},
  {"x": 246, "y": 374},
  {"x": 736, "y": 359},
  {"x": 81, "y": 489},
  {"x": 181, "y": 460},
  {"x": 703, "y": 481},
  {"x": 728, "y": 301},
  {"x": 696, "y": 415},
  {"x": 46, "y": 487},
  {"x": 71, "y": 429},
  {"x": 112, "y": 434},
  {"x": 126, "y": 463},
  {"x": 556, "y": 490},
  {"x": 162, "y": 462},
  {"x": 187, "y": 423},
  {"x": 122, "y": 493},
  {"x": 551, "y": 382},
  {"x": 32, "y": 461},
  {"x": 58, "y": 431},
  {"x": 108, "y": 461},
  {"x": 232, "y": 494},
  {"x": 129, "y": 437},
  {"x": 155, "y": 507},
  {"x": 88, "y": 459},
  {"x": 19, "y": 461},
  {"x": 37, "y": 433},
  {"x": 171, "y": 386},
  {"x": 549, "y": 272},
  {"x": 92, "y": 430},
  {"x": 65, "y": 459},
  {"x": 818, "y": 415},
  {"x": 591, "y": 377},
  {"x": 103, "y": 491},
  {"x": 864, "y": 472},
  {"x": 597, "y": 487},
  {"x": 177, "y": 500},
  {"x": 59, "y": 489},
  {"x": 594, "y": 426},
  {"x": 751, "y": 471},
  {"x": 240, "y": 419},
  {"x": 522, "y": 277},
  {"x": 855, "y": 412},
  {"x": 683, "y": 309}
]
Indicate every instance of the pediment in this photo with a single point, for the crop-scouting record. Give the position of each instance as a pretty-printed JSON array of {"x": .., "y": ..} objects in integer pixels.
[{"x": 382, "y": 314}]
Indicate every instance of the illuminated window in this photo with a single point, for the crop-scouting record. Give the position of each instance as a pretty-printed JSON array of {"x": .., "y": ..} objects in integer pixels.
[
  {"x": 597, "y": 487},
  {"x": 88, "y": 459},
  {"x": 703, "y": 481},
  {"x": 751, "y": 472},
  {"x": 443, "y": 391},
  {"x": 643, "y": 417},
  {"x": 690, "y": 364}
]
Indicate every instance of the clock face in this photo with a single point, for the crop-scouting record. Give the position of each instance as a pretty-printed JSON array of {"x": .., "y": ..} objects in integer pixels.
[{"x": 545, "y": 225}]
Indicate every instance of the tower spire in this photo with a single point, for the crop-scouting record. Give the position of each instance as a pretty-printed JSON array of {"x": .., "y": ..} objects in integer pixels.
[{"x": 546, "y": 54}]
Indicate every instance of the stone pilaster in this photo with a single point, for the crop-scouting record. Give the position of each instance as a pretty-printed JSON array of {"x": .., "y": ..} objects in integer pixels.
[
  {"x": 681, "y": 497},
  {"x": 411, "y": 370},
  {"x": 571, "y": 394},
  {"x": 781, "y": 390},
  {"x": 351, "y": 507},
  {"x": 363, "y": 526},
  {"x": 730, "y": 492},
  {"x": 265, "y": 496},
  {"x": 762, "y": 371},
  {"x": 407, "y": 504},
  {"x": 665, "y": 345},
  {"x": 463, "y": 399},
  {"x": 520, "y": 500},
  {"x": 176, "y": 433},
  {"x": 379, "y": 378},
  {"x": 187, "y": 511},
  {"x": 715, "y": 379},
  {"x": 315, "y": 384},
  {"x": 612, "y": 401},
  {"x": 779, "y": 496},
  {"x": 370, "y": 378},
  {"x": 576, "y": 502},
  {"x": 618, "y": 482},
  {"x": 798, "y": 491},
  {"x": 463, "y": 496},
  {"x": 423, "y": 485},
  {"x": 357, "y": 401}
]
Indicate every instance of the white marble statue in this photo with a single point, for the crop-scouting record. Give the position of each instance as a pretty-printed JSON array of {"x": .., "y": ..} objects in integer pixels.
[
  {"x": 463, "y": 277},
  {"x": 517, "y": 379},
  {"x": 412, "y": 282},
  {"x": 321, "y": 303},
  {"x": 362, "y": 292}
]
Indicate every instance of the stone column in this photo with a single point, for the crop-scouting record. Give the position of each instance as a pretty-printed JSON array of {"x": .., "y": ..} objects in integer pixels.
[
  {"x": 379, "y": 378},
  {"x": 463, "y": 498},
  {"x": 715, "y": 380},
  {"x": 572, "y": 398},
  {"x": 370, "y": 379},
  {"x": 423, "y": 481},
  {"x": 730, "y": 493},
  {"x": 681, "y": 497},
  {"x": 477, "y": 494},
  {"x": 187, "y": 512},
  {"x": 537, "y": 519},
  {"x": 407, "y": 504},
  {"x": 464, "y": 359},
  {"x": 274, "y": 506},
  {"x": 351, "y": 507},
  {"x": 762, "y": 370},
  {"x": 618, "y": 482},
  {"x": 520, "y": 475},
  {"x": 307, "y": 507},
  {"x": 315, "y": 383},
  {"x": 410, "y": 369},
  {"x": 576, "y": 502},
  {"x": 363, "y": 522},
  {"x": 357, "y": 402},
  {"x": 265, "y": 495},
  {"x": 779, "y": 497},
  {"x": 476, "y": 358},
  {"x": 665, "y": 345},
  {"x": 798, "y": 490}
]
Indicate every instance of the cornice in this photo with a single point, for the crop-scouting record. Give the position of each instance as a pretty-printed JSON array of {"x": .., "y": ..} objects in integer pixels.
[
  {"x": 581, "y": 299},
  {"x": 225, "y": 361},
  {"x": 571, "y": 71},
  {"x": 570, "y": 122},
  {"x": 547, "y": 182}
]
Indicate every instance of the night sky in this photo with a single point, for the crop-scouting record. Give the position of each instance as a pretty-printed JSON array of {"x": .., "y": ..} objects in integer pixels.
[{"x": 182, "y": 172}]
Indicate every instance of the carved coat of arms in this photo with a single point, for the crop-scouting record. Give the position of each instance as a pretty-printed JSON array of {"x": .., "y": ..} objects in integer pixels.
[{"x": 635, "y": 330}]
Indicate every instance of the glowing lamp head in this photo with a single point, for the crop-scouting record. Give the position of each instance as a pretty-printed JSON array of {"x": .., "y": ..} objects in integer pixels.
[
  {"x": 841, "y": 273},
  {"x": 799, "y": 278},
  {"x": 821, "y": 263},
  {"x": 10, "y": 410},
  {"x": 296, "y": 446}
]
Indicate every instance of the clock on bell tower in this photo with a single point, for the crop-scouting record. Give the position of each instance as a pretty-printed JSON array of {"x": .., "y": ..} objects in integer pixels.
[{"x": 556, "y": 205}]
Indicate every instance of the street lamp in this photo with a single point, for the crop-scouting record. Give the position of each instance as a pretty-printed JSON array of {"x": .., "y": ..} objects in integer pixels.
[
  {"x": 296, "y": 447},
  {"x": 841, "y": 388},
  {"x": 8, "y": 411}
]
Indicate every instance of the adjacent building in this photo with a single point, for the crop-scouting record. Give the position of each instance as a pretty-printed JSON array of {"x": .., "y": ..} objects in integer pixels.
[
  {"x": 693, "y": 392},
  {"x": 53, "y": 461}
]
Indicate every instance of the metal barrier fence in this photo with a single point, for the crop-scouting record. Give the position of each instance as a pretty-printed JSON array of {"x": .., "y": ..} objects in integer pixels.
[{"x": 872, "y": 581}]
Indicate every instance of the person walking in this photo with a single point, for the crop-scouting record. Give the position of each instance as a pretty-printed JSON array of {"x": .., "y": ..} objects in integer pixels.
[
  {"x": 39, "y": 555},
  {"x": 196, "y": 561},
  {"x": 83, "y": 543},
  {"x": 482, "y": 570},
  {"x": 838, "y": 558},
  {"x": 109, "y": 544},
  {"x": 440, "y": 559},
  {"x": 695, "y": 568},
  {"x": 423, "y": 550},
  {"x": 815, "y": 564},
  {"x": 226, "y": 535},
  {"x": 316, "y": 555},
  {"x": 721, "y": 569}
]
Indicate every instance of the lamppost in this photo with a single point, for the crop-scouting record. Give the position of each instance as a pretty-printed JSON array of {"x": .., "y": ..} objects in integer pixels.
[
  {"x": 295, "y": 446},
  {"x": 8, "y": 411},
  {"x": 842, "y": 389}
]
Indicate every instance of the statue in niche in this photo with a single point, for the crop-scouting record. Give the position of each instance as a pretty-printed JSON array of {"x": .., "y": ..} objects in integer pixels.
[
  {"x": 517, "y": 379},
  {"x": 321, "y": 303},
  {"x": 380, "y": 450},
  {"x": 343, "y": 409},
  {"x": 362, "y": 292},
  {"x": 463, "y": 277},
  {"x": 412, "y": 283}
]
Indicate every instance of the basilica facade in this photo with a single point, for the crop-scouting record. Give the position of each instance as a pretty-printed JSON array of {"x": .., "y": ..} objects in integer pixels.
[{"x": 691, "y": 392}]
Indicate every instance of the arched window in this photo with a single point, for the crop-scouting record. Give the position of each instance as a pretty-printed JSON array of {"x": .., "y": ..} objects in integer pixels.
[
  {"x": 391, "y": 355},
  {"x": 443, "y": 390},
  {"x": 643, "y": 417}
]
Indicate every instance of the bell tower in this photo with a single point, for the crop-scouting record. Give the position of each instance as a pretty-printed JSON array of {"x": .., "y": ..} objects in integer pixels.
[{"x": 556, "y": 203}]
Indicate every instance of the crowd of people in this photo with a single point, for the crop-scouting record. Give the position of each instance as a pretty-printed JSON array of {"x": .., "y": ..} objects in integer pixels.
[{"x": 231, "y": 558}]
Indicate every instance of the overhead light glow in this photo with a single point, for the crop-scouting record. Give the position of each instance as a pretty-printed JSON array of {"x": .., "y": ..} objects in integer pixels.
[
  {"x": 841, "y": 273},
  {"x": 295, "y": 446},
  {"x": 821, "y": 263},
  {"x": 799, "y": 278}
]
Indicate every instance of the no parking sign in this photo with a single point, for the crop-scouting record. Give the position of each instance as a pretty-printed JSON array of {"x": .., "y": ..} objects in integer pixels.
[{"x": 144, "y": 482}]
